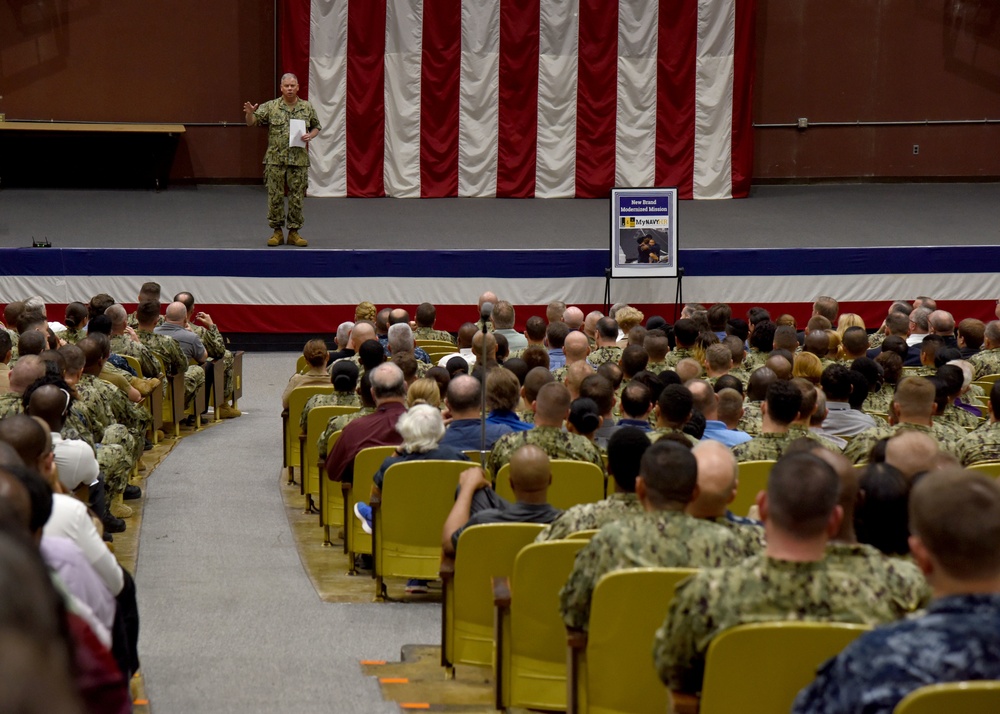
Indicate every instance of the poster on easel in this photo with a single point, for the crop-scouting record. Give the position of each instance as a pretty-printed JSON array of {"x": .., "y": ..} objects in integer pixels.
[{"x": 643, "y": 233}]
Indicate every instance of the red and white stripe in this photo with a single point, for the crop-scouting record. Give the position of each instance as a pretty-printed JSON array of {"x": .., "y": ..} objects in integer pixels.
[{"x": 525, "y": 98}]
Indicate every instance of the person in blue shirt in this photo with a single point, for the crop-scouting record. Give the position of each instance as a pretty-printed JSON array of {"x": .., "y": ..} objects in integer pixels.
[{"x": 464, "y": 431}]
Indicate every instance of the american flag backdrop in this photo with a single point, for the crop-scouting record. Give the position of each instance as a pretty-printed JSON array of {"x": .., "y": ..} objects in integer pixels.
[{"x": 525, "y": 98}]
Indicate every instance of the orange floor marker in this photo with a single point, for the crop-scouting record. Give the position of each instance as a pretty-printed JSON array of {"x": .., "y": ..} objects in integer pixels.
[
  {"x": 394, "y": 680},
  {"x": 414, "y": 705},
  {"x": 141, "y": 702},
  {"x": 372, "y": 661}
]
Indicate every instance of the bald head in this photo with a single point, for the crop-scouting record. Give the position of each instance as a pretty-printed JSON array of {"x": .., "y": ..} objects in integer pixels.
[
  {"x": 27, "y": 370},
  {"x": 463, "y": 397},
  {"x": 705, "y": 399},
  {"x": 576, "y": 347},
  {"x": 362, "y": 332},
  {"x": 552, "y": 404},
  {"x": 50, "y": 404},
  {"x": 176, "y": 313},
  {"x": 27, "y": 436},
  {"x": 573, "y": 317},
  {"x": 911, "y": 452},
  {"x": 688, "y": 369},
  {"x": 575, "y": 374},
  {"x": 717, "y": 472},
  {"x": 781, "y": 367},
  {"x": 530, "y": 472},
  {"x": 486, "y": 297}
]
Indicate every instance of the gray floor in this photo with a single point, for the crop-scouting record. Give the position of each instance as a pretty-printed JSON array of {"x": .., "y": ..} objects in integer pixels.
[
  {"x": 230, "y": 620},
  {"x": 234, "y": 217}
]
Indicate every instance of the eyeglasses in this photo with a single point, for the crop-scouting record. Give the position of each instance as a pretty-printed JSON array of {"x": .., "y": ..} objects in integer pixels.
[{"x": 69, "y": 399}]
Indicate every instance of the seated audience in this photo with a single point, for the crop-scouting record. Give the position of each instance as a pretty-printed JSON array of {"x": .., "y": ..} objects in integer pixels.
[{"x": 315, "y": 374}]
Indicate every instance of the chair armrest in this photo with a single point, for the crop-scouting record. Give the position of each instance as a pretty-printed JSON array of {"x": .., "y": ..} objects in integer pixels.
[
  {"x": 501, "y": 592},
  {"x": 284, "y": 414},
  {"x": 375, "y": 503},
  {"x": 447, "y": 571},
  {"x": 685, "y": 703},
  {"x": 576, "y": 641}
]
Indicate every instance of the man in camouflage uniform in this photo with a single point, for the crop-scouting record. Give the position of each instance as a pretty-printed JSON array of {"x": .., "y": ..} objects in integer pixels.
[
  {"x": 124, "y": 341},
  {"x": 284, "y": 164},
  {"x": 117, "y": 451},
  {"x": 685, "y": 335},
  {"x": 551, "y": 409},
  {"x": 789, "y": 581},
  {"x": 717, "y": 481},
  {"x": 339, "y": 422},
  {"x": 983, "y": 444},
  {"x": 607, "y": 349},
  {"x": 673, "y": 411},
  {"x": 27, "y": 370},
  {"x": 625, "y": 449},
  {"x": 576, "y": 350},
  {"x": 425, "y": 317},
  {"x": 912, "y": 408},
  {"x": 215, "y": 345},
  {"x": 760, "y": 380},
  {"x": 662, "y": 536},
  {"x": 781, "y": 408},
  {"x": 907, "y": 589},
  {"x": 955, "y": 525},
  {"x": 987, "y": 361},
  {"x": 168, "y": 350}
]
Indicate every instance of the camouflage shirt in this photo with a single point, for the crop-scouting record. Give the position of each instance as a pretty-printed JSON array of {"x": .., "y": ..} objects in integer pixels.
[
  {"x": 658, "y": 539},
  {"x": 590, "y": 516},
  {"x": 861, "y": 445},
  {"x": 334, "y": 399},
  {"x": 559, "y": 374},
  {"x": 214, "y": 343},
  {"x": 983, "y": 444},
  {"x": 657, "y": 433},
  {"x": 276, "y": 116},
  {"x": 657, "y": 367},
  {"x": 801, "y": 431},
  {"x": 955, "y": 640},
  {"x": 10, "y": 403},
  {"x": 907, "y": 588},
  {"x": 124, "y": 345},
  {"x": 71, "y": 336},
  {"x": 760, "y": 589},
  {"x": 601, "y": 355},
  {"x": 985, "y": 362},
  {"x": 96, "y": 403},
  {"x": 555, "y": 442},
  {"x": 429, "y": 333},
  {"x": 336, "y": 424},
  {"x": 167, "y": 349},
  {"x": 754, "y": 359},
  {"x": 880, "y": 401},
  {"x": 676, "y": 356},
  {"x": 958, "y": 417},
  {"x": 749, "y": 537},
  {"x": 765, "y": 447},
  {"x": 752, "y": 420}
]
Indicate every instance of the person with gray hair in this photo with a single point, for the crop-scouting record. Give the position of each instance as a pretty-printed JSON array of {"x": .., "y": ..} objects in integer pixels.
[
  {"x": 125, "y": 341},
  {"x": 400, "y": 340},
  {"x": 343, "y": 342},
  {"x": 375, "y": 429},
  {"x": 286, "y": 161}
]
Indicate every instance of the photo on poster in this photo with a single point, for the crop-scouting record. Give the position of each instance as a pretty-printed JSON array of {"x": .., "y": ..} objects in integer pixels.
[{"x": 643, "y": 232}]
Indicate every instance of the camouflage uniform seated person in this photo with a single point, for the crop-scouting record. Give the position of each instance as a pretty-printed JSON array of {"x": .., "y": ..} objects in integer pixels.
[
  {"x": 717, "y": 484},
  {"x": 534, "y": 334},
  {"x": 150, "y": 291},
  {"x": 761, "y": 343},
  {"x": 551, "y": 409},
  {"x": 790, "y": 580},
  {"x": 955, "y": 523},
  {"x": 215, "y": 345},
  {"x": 912, "y": 409},
  {"x": 28, "y": 369},
  {"x": 337, "y": 423},
  {"x": 760, "y": 380},
  {"x": 780, "y": 409},
  {"x": 661, "y": 536},
  {"x": 625, "y": 449},
  {"x": 536, "y": 378},
  {"x": 607, "y": 349},
  {"x": 362, "y": 333},
  {"x": 127, "y": 413},
  {"x": 77, "y": 317},
  {"x": 125, "y": 341},
  {"x": 673, "y": 410},
  {"x": 983, "y": 444},
  {"x": 168, "y": 350},
  {"x": 987, "y": 360},
  {"x": 345, "y": 382},
  {"x": 425, "y": 316}
]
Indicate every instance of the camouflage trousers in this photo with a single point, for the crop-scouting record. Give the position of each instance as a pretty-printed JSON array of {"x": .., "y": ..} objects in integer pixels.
[
  {"x": 228, "y": 360},
  {"x": 194, "y": 377},
  {"x": 116, "y": 457},
  {"x": 276, "y": 177}
]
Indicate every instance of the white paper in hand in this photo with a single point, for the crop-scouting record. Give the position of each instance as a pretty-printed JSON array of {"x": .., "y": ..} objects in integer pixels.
[{"x": 296, "y": 128}]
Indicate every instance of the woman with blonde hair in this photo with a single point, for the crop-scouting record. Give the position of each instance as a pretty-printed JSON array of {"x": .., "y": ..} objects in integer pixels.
[
  {"x": 836, "y": 351},
  {"x": 423, "y": 391},
  {"x": 808, "y": 366},
  {"x": 849, "y": 319}
]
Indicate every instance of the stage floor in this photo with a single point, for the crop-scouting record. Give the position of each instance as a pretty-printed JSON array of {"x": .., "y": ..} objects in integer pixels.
[{"x": 232, "y": 217}]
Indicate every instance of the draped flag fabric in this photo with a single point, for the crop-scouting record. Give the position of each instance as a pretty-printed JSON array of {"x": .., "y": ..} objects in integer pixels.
[{"x": 525, "y": 98}]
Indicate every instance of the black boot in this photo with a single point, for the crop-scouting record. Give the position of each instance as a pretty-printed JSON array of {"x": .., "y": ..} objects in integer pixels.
[{"x": 99, "y": 504}]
